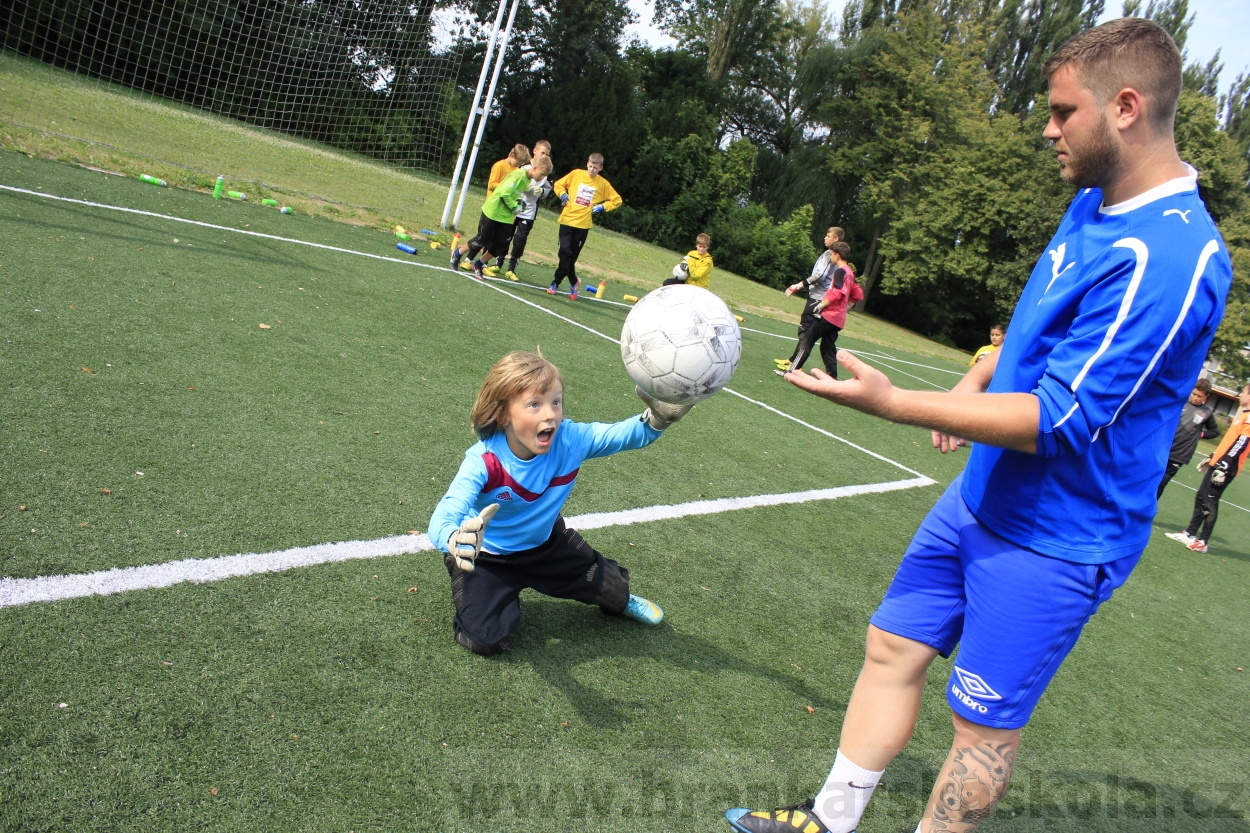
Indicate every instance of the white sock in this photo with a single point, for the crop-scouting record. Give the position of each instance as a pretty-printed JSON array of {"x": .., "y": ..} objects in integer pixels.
[{"x": 841, "y": 801}]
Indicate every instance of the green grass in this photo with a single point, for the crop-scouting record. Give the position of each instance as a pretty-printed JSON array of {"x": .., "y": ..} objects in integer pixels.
[{"x": 333, "y": 698}]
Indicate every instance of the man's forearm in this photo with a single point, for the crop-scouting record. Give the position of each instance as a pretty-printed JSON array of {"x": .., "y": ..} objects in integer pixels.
[{"x": 1006, "y": 420}]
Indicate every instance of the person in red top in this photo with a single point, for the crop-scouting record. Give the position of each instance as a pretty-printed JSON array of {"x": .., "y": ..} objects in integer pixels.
[
  {"x": 1221, "y": 467},
  {"x": 831, "y": 313}
]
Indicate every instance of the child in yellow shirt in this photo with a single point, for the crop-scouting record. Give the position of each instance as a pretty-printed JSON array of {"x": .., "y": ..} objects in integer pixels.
[
  {"x": 997, "y": 333},
  {"x": 695, "y": 268},
  {"x": 583, "y": 195}
]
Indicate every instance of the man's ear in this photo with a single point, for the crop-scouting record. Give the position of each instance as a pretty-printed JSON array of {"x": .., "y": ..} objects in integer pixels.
[{"x": 1130, "y": 107}]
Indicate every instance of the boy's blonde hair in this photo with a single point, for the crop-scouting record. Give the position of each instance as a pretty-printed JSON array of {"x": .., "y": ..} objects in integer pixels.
[
  {"x": 514, "y": 375},
  {"x": 705, "y": 239},
  {"x": 543, "y": 143},
  {"x": 541, "y": 165},
  {"x": 838, "y": 233},
  {"x": 520, "y": 155},
  {"x": 597, "y": 158}
]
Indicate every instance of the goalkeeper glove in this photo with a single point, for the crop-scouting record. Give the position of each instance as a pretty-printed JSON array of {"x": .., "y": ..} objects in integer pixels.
[
  {"x": 598, "y": 209},
  {"x": 465, "y": 543},
  {"x": 564, "y": 199},
  {"x": 659, "y": 415}
]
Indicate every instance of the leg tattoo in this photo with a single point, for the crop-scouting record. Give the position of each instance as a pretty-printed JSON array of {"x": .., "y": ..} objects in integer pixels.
[{"x": 971, "y": 786}]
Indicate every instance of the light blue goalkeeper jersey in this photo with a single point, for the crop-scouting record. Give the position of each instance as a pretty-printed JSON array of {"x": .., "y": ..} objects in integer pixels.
[
  {"x": 1110, "y": 334},
  {"x": 530, "y": 493}
]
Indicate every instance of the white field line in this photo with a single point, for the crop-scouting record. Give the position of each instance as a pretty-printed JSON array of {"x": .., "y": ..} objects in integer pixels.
[
  {"x": 1223, "y": 503},
  {"x": 22, "y": 591},
  {"x": 880, "y": 362},
  {"x": 913, "y": 364},
  {"x": 217, "y": 227}
]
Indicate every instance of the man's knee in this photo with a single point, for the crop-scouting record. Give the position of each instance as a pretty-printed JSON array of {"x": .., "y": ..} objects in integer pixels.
[{"x": 969, "y": 735}]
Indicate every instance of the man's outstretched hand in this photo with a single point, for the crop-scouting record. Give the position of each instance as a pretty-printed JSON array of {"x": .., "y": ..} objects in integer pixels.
[
  {"x": 868, "y": 389},
  {"x": 966, "y": 412}
]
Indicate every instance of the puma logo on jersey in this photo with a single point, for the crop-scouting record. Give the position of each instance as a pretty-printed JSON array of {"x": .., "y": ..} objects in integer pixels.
[
  {"x": 1056, "y": 261},
  {"x": 1184, "y": 215}
]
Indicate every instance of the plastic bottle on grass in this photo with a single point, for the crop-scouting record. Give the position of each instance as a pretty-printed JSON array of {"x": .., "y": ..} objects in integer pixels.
[
  {"x": 151, "y": 180},
  {"x": 404, "y": 247},
  {"x": 217, "y": 189}
]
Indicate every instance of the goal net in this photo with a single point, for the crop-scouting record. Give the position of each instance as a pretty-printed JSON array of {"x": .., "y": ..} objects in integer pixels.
[{"x": 369, "y": 76}]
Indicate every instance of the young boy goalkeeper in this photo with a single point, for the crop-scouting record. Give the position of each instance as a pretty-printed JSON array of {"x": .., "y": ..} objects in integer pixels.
[{"x": 499, "y": 524}]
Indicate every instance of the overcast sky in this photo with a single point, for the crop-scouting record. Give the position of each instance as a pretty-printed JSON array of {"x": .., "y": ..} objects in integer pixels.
[{"x": 1218, "y": 24}]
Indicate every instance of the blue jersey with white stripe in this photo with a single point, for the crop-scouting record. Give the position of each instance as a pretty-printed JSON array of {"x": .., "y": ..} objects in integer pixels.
[
  {"x": 530, "y": 493},
  {"x": 1110, "y": 333}
]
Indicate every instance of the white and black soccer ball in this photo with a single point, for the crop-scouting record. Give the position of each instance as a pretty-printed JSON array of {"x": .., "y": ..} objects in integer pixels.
[{"x": 681, "y": 344}]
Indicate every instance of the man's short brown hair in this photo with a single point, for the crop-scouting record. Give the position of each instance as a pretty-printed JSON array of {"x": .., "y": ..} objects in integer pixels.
[
  {"x": 1129, "y": 52},
  {"x": 1203, "y": 385},
  {"x": 842, "y": 249}
]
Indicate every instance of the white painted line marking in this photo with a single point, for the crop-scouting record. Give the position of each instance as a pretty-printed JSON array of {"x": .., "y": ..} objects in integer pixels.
[{"x": 23, "y": 591}]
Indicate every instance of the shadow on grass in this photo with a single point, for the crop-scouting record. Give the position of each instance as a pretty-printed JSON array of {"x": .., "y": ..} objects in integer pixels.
[{"x": 557, "y": 636}]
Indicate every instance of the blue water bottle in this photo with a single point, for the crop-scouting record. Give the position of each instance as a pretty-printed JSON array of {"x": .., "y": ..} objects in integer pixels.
[{"x": 404, "y": 247}]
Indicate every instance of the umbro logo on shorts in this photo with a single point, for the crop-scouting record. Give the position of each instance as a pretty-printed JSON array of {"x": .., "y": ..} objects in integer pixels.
[
  {"x": 974, "y": 686},
  {"x": 968, "y": 685}
]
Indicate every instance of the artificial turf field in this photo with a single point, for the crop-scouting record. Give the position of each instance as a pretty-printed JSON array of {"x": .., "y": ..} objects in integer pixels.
[{"x": 149, "y": 419}]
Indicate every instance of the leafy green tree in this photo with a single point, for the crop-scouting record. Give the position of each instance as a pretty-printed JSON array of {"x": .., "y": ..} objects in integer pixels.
[
  {"x": 728, "y": 33},
  {"x": 1221, "y": 169},
  {"x": 968, "y": 232},
  {"x": 766, "y": 99},
  {"x": 1235, "y": 113},
  {"x": 900, "y": 93},
  {"x": 1022, "y": 35}
]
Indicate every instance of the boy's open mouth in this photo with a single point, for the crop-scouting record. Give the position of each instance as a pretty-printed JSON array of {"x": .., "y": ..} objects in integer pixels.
[{"x": 544, "y": 436}]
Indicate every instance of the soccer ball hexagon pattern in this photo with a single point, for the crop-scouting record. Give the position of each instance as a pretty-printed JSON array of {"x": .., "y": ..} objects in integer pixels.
[{"x": 680, "y": 344}]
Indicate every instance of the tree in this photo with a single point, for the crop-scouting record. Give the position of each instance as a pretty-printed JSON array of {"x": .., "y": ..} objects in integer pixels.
[
  {"x": 1023, "y": 34},
  {"x": 767, "y": 100},
  {"x": 726, "y": 32},
  {"x": 981, "y": 203},
  {"x": 1234, "y": 108}
]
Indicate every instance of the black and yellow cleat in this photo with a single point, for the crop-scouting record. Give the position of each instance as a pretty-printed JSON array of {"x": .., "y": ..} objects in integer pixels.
[{"x": 799, "y": 818}]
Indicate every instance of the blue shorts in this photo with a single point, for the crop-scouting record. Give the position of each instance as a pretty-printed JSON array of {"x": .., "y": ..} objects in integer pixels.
[{"x": 1015, "y": 614}]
